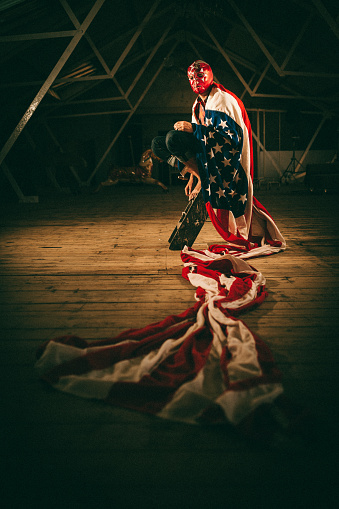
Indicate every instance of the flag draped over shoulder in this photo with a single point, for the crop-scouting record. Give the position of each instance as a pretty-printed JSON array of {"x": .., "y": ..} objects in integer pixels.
[
  {"x": 201, "y": 366},
  {"x": 225, "y": 163}
]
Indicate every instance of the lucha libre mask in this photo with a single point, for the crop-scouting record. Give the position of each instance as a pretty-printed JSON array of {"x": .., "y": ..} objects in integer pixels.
[{"x": 200, "y": 76}]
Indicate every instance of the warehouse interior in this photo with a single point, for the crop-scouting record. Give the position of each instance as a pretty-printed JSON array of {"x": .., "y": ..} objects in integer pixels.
[{"x": 86, "y": 85}]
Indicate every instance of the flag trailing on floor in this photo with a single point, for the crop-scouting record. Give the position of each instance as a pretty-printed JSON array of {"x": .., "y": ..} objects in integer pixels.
[
  {"x": 225, "y": 161},
  {"x": 201, "y": 366}
]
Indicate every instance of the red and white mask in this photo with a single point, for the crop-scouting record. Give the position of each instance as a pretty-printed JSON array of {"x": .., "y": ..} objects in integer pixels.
[{"x": 200, "y": 76}]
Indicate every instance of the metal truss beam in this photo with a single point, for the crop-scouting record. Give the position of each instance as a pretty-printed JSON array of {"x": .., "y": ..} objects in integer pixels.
[
  {"x": 91, "y": 114},
  {"x": 95, "y": 50},
  {"x": 327, "y": 17},
  {"x": 261, "y": 145},
  {"x": 50, "y": 79},
  {"x": 293, "y": 95},
  {"x": 296, "y": 41},
  {"x": 110, "y": 74},
  {"x": 263, "y": 148},
  {"x": 155, "y": 49},
  {"x": 22, "y": 198},
  {"x": 131, "y": 87},
  {"x": 37, "y": 36},
  {"x": 134, "y": 38},
  {"x": 262, "y": 76},
  {"x": 308, "y": 148},
  {"x": 226, "y": 57},
  {"x": 256, "y": 37},
  {"x": 131, "y": 113},
  {"x": 130, "y": 34},
  {"x": 61, "y": 150},
  {"x": 280, "y": 70}
]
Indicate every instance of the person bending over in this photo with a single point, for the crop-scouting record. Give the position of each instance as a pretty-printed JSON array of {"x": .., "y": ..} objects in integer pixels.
[{"x": 182, "y": 143}]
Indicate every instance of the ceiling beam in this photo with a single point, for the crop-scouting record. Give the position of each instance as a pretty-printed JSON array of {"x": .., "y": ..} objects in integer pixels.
[
  {"x": 37, "y": 36},
  {"x": 293, "y": 94},
  {"x": 93, "y": 47},
  {"x": 256, "y": 38},
  {"x": 134, "y": 38},
  {"x": 296, "y": 41},
  {"x": 153, "y": 52},
  {"x": 91, "y": 114},
  {"x": 131, "y": 113},
  {"x": 308, "y": 74},
  {"x": 325, "y": 117},
  {"x": 50, "y": 79},
  {"x": 327, "y": 17},
  {"x": 262, "y": 76},
  {"x": 22, "y": 198},
  {"x": 266, "y": 152},
  {"x": 127, "y": 35},
  {"x": 226, "y": 57}
]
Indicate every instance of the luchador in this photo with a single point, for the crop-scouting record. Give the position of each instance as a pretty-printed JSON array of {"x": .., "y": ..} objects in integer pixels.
[{"x": 216, "y": 150}]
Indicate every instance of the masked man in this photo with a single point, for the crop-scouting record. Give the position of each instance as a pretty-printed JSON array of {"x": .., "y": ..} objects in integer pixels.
[{"x": 216, "y": 148}]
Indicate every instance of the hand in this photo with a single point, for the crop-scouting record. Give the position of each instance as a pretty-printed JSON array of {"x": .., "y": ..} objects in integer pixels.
[
  {"x": 182, "y": 125},
  {"x": 189, "y": 185},
  {"x": 195, "y": 191}
]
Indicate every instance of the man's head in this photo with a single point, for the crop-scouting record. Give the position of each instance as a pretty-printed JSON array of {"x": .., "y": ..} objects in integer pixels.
[{"x": 200, "y": 76}]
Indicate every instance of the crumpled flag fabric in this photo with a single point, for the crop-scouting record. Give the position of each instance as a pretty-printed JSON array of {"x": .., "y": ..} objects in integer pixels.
[{"x": 201, "y": 366}]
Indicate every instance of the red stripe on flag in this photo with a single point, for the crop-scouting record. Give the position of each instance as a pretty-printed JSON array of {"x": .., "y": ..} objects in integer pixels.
[
  {"x": 142, "y": 342},
  {"x": 156, "y": 389},
  {"x": 221, "y": 225}
]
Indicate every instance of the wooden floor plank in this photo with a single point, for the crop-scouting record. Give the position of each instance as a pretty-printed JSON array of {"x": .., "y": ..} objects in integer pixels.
[{"x": 95, "y": 265}]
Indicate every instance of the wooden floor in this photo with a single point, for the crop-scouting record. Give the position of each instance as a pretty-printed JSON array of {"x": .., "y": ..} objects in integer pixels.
[{"x": 96, "y": 264}]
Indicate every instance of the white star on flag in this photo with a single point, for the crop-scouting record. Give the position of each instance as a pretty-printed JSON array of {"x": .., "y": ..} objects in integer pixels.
[
  {"x": 234, "y": 151},
  {"x": 232, "y": 193},
  {"x": 221, "y": 192},
  {"x": 208, "y": 121},
  {"x": 230, "y": 133},
  {"x": 242, "y": 198},
  {"x": 211, "y": 154},
  {"x": 226, "y": 162},
  {"x": 212, "y": 179},
  {"x": 217, "y": 148},
  {"x": 223, "y": 124},
  {"x": 204, "y": 139},
  {"x": 226, "y": 184},
  {"x": 237, "y": 178}
]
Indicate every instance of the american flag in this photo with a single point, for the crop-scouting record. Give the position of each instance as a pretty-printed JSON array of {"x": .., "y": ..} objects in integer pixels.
[
  {"x": 201, "y": 366},
  {"x": 225, "y": 164}
]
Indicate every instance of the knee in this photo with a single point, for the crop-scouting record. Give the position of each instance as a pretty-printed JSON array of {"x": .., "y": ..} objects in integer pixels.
[{"x": 172, "y": 138}]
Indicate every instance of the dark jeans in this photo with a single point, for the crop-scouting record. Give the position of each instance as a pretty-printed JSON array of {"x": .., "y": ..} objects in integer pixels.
[{"x": 180, "y": 144}]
